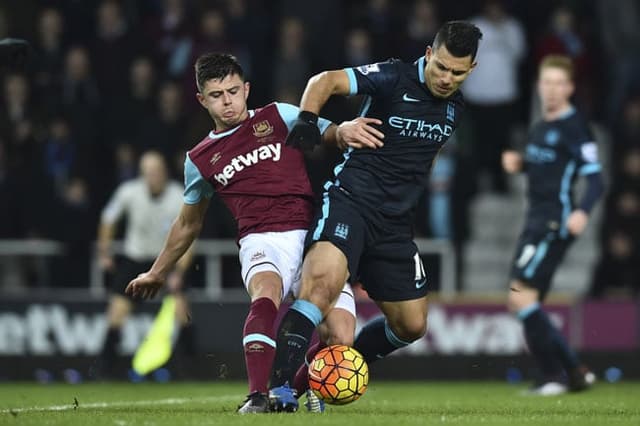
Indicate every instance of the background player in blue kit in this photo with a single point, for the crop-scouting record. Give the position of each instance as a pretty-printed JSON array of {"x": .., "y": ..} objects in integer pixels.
[
  {"x": 560, "y": 149},
  {"x": 364, "y": 227}
]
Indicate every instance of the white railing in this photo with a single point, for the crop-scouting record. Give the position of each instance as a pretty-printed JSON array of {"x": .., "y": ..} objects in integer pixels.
[{"x": 213, "y": 250}]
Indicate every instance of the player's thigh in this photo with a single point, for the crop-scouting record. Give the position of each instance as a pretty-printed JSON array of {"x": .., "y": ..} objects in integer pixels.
[
  {"x": 392, "y": 271},
  {"x": 270, "y": 262},
  {"x": 338, "y": 327},
  {"x": 537, "y": 257},
  {"x": 521, "y": 295},
  {"x": 407, "y": 318},
  {"x": 336, "y": 239}
]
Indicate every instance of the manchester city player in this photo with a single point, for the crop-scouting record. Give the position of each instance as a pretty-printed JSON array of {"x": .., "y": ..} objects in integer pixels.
[
  {"x": 364, "y": 227},
  {"x": 560, "y": 149}
]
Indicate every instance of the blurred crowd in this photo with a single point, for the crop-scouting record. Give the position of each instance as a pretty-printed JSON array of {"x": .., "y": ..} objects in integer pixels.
[{"x": 110, "y": 79}]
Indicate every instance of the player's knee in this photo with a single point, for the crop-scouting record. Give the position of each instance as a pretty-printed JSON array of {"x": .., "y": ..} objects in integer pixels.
[
  {"x": 520, "y": 296},
  {"x": 410, "y": 330},
  {"x": 118, "y": 310},
  {"x": 337, "y": 335},
  {"x": 266, "y": 284},
  {"x": 320, "y": 289}
]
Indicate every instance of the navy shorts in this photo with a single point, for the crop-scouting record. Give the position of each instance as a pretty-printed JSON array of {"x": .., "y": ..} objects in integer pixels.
[
  {"x": 380, "y": 251},
  {"x": 538, "y": 254}
]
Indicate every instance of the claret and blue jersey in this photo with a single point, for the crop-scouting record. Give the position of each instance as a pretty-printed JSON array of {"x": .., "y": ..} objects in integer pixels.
[
  {"x": 415, "y": 123},
  {"x": 557, "y": 153}
]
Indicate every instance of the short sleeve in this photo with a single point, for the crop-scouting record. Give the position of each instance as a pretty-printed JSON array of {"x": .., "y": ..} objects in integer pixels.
[
  {"x": 373, "y": 79},
  {"x": 289, "y": 114},
  {"x": 585, "y": 152},
  {"x": 116, "y": 206},
  {"x": 195, "y": 186}
]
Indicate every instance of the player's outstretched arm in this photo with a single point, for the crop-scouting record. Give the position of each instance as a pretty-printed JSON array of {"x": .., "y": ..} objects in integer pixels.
[
  {"x": 305, "y": 133},
  {"x": 321, "y": 86},
  {"x": 183, "y": 232}
]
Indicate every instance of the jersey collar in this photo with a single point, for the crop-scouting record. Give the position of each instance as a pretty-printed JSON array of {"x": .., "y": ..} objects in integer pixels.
[
  {"x": 420, "y": 63},
  {"x": 568, "y": 113},
  {"x": 214, "y": 135}
]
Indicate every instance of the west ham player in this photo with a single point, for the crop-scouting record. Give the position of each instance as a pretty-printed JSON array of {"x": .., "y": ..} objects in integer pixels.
[
  {"x": 560, "y": 149},
  {"x": 364, "y": 228},
  {"x": 264, "y": 184}
]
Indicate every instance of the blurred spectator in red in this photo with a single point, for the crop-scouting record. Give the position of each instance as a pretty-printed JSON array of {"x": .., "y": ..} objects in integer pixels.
[{"x": 562, "y": 37}]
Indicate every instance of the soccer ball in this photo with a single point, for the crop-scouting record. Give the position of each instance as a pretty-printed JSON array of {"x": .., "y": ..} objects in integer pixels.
[{"x": 338, "y": 374}]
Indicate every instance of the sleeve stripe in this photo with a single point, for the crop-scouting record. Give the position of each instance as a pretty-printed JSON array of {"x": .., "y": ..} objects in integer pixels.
[
  {"x": 588, "y": 169},
  {"x": 353, "y": 83}
]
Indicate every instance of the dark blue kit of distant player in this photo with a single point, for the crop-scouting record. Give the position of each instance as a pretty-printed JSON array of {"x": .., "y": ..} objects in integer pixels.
[
  {"x": 558, "y": 152},
  {"x": 367, "y": 209}
]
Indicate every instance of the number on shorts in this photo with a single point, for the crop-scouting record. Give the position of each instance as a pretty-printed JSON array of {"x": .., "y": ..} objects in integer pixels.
[
  {"x": 527, "y": 253},
  {"x": 420, "y": 274}
]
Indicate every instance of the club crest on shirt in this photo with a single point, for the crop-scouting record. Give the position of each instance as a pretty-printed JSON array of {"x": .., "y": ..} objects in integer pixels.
[
  {"x": 214, "y": 158},
  {"x": 262, "y": 129}
]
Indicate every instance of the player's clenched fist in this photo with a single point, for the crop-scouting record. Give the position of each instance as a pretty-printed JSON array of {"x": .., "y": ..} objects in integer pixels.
[{"x": 305, "y": 133}]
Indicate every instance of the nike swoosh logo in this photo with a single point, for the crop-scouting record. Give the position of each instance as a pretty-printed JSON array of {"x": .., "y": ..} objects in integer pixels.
[
  {"x": 420, "y": 284},
  {"x": 407, "y": 98}
]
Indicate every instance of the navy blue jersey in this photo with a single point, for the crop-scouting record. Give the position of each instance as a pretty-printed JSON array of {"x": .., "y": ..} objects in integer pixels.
[
  {"x": 415, "y": 123},
  {"x": 557, "y": 153}
]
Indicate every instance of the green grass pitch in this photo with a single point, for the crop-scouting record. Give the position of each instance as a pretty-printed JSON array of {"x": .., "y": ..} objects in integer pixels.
[{"x": 385, "y": 403}]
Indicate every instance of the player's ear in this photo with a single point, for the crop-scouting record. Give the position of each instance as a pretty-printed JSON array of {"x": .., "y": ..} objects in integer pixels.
[
  {"x": 428, "y": 53},
  {"x": 201, "y": 99},
  {"x": 247, "y": 87}
]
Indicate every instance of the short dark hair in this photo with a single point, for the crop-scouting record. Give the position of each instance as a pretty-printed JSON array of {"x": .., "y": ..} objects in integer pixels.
[
  {"x": 460, "y": 37},
  {"x": 216, "y": 66}
]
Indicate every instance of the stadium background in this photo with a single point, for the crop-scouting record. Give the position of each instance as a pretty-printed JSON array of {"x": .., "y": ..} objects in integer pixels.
[{"x": 110, "y": 79}]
